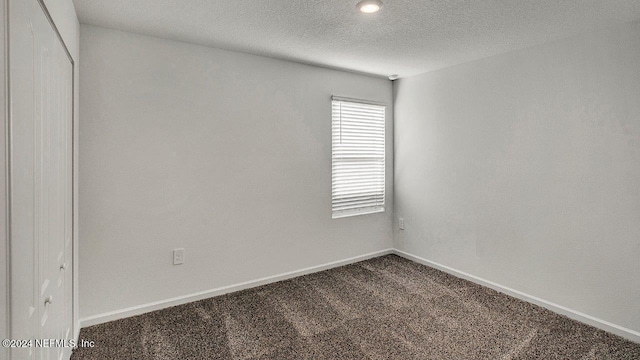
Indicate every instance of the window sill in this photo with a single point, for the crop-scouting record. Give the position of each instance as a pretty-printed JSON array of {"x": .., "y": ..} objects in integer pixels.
[{"x": 356, "y": 212}]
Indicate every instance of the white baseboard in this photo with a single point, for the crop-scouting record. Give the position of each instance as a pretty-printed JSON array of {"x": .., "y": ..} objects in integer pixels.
[
  {"x": 559, "y": 309},
  {"x": 157, "y": 305}
]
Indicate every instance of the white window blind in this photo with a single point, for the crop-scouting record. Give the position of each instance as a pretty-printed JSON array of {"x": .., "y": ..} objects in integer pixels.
[{"x": 358, "y": 138}]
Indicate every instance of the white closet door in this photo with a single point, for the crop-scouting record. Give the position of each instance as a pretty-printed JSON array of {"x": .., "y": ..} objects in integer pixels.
[{"x": 41, "y": 181}]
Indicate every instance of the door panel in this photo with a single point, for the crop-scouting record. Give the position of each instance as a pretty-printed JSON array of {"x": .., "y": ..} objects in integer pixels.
[{"x": 41, "y": 181}]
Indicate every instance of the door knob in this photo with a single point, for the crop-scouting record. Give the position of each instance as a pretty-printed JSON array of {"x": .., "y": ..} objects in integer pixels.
[
  {"x": 63, "y": 266},
  {"x": 48, "y": 300}
]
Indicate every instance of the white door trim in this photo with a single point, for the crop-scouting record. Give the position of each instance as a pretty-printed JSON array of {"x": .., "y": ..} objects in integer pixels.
[{"x": 5, "y": 271}]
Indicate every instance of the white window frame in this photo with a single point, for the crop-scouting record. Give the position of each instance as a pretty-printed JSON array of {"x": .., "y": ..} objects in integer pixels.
[{"x": 371, "y": 153}]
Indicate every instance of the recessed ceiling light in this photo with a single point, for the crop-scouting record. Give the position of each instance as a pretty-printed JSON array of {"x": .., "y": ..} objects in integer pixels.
[{"x": 369, "y": 6}]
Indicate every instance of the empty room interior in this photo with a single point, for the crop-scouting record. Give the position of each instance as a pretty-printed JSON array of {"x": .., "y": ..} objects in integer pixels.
[{"x": 331, "y": 179}]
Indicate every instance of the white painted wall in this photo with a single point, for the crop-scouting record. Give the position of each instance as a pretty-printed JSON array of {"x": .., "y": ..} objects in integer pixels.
[
  {"x": 225, "y": 154},
  {"x": 524, "y": 169}
]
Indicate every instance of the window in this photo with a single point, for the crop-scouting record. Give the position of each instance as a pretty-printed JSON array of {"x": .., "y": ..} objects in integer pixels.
[{"x": 358, "y": 137}]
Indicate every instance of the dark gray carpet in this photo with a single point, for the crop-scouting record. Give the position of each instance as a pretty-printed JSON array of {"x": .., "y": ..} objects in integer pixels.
[{"x": 384, "y": 308}]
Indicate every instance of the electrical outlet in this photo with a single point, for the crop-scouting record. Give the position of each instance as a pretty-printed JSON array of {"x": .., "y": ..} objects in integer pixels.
[
  {"x": 401, "y": 223},
  {"x": 178, "y": 256}
]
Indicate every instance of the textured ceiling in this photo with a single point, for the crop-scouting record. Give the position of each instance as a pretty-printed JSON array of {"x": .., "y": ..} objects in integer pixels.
[{"x": 407, "y": 37}]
